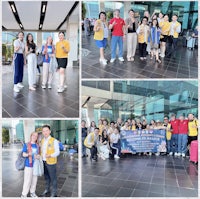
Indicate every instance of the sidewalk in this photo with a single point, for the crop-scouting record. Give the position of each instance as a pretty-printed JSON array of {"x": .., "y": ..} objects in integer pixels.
[
  {"x": 185, "y": 65},
  {"x": 12, "y": 180}
]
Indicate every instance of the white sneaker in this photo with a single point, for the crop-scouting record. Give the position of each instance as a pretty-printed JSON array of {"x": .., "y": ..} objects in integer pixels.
[
  {"x": 20, "y": 85},
  {"x": 121, "y": 59},
  {"x": 60, "y": 90},
  {"x": 16, "y": 88},
  {"x": 171, "y": 153},
  {"x": 162, "y": 55},
  {"x": 65, "y": 86},
  {"x": 22, "y": 196},
  {"x": 112, "y": 60},
  {"x": 103, "y": 61},
  {"x": 116, "y": 156},
  {"x": 43, "y": 86},
  {"x": 150, "y": 154},
  {"x": 33, "y": 195},
  {"x": 32, "y": 88},
  {"x": 183, "y": 155},
  {"x": 49, "y": 86},
  {"x": 179, "y": 154},
  {"x": 175, "y": 154},
  {"x": 157, "y": 154}
]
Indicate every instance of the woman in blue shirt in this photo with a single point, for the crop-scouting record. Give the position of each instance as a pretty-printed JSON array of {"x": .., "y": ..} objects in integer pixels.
[
  {"x": 30, "y": 151},
  {"x": 48, "y": 50}
]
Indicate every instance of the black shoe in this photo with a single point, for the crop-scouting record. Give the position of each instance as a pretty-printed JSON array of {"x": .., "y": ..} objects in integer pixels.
[
  {"x": 83, "y": 156},
  {"x": 53, "y": 195},
  {"x": 44, "y": 193}
]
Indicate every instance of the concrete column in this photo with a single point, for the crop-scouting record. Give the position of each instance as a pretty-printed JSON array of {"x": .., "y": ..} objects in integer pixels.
[
  {"x": 29, "y": 127},
  {"x": 73, "y": 37},
  {"x": 127, "y": 7},
  {"x": 90, "y": 109},
  {"x": 39, "y": 40},
  {"x": 101, "y": 6}
]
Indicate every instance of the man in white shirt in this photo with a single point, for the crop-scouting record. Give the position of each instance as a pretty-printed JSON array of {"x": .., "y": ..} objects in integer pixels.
[
  {"x": 49, "y": 152},
  {"x": 115, "y": 143}
]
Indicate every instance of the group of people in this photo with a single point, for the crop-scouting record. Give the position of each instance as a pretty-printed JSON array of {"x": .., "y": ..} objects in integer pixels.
[
  {"x": 54, "y": 58},
  {"x": 151, "y": 33},
  {"x": 104, "y": 139},
  {"x": 88, "y": 26},
  {"x": 48, "y": 150}
]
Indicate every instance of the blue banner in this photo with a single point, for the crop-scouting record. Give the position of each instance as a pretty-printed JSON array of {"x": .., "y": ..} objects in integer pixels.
[{"x": 143, "y": 141}]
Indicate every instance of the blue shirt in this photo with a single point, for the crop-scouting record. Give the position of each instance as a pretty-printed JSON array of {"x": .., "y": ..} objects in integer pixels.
[
  {"x": 34, "y": 152},
  {"x": 49, "y": 51}
]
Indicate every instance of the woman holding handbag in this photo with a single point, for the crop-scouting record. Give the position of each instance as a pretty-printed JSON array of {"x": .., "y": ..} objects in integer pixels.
[
  {"x": 30, "y": 50},
  {"x": 48, "y": 51},
  {"x": 31, "y": 152}
]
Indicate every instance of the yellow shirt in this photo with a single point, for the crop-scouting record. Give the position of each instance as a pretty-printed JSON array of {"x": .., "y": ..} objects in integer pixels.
[
  {"x": 133, "y": 127},
  {"x": 168, "y": 133},
  {"x": 60, "y": 53},
  {"x": 193, "y": 128},
  {"x": 165, "y": 27}
]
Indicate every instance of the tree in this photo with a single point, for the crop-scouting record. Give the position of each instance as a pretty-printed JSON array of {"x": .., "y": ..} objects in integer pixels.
[
  {"x": 5, "y": 136},
  {"x": 4, "y": 50},
  {"x": 8, "y": 52},
  {"x": 84, "y": 11}
]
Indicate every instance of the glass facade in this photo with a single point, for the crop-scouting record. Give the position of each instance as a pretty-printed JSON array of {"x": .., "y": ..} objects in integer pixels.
[
  {"x": 187, "y": 11},
  {"x": 63, "y": 130},
  {"x": 149, "y": 99}
]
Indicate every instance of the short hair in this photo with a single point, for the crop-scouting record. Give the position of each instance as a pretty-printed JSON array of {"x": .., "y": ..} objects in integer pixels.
[
  {"x": 117, "y": 10},
  {"x": 145, "y": 18},
  {"x": 96, "y": 128},
  {"x": 173, "y": 115},
  {"x": 112, "y": 122},
  {"x": 175, "y": 15},
  {"x": 102, "y": 13},
  {"x": 131, "y": 10},
  {"x": 83, "y": 121},
  {"x": 46, "y": 126},
  {"x": 61, "y": 32}
]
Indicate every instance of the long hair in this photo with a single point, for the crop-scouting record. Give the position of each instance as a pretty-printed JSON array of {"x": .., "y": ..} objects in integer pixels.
[
  {"x": 37, "y": 137},
  {"x": 27, "y": 41},
  {"x": 47, "y": 40},
  {"x": 157, "y": 25}
]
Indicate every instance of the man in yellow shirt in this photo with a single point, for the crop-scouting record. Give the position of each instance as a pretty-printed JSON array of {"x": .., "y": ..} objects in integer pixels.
[
  {"x": 62, "y": 50},
  {"x": 49, "y": 152},
  {"x": 175, "y": 29}
]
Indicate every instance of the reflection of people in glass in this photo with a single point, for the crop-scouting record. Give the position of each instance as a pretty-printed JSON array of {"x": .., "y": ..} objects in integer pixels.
[
  {"x": 19, "y": 61},
  {"x": 30, "y": 152},
  {"x": 62, "y": 51},
  {"x": 30, "y": 51},
  {"x": 165, "y": 27},
  {"x": 48, "y": 50},
  {"x": 131, "y": 26},
  {"x": 117, "y": 25},
  {"x": 101, "y": 35}
]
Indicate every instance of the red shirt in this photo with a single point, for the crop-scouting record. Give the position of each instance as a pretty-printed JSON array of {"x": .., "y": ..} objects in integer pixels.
[
  {"x": 183, "y": 127},
  {"x": 175, "y": 126},
  {"x": 118, "y": 27}
]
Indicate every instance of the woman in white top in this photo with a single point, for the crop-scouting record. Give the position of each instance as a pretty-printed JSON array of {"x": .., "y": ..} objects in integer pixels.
[
  {"x": 19, "y": 61},
  {"x": 101, "y": 35}
]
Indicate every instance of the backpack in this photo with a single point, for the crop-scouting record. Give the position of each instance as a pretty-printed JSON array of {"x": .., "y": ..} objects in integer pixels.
[
  {"x": 20, "y": 162},
  {"x": 40, "y": 59}
]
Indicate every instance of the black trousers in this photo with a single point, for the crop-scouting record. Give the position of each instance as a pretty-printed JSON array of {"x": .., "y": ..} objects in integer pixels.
[
  {"x": 50, "y": 177},
  {"x": 93, "y": 152},
  {"x": 142, "y": 49}
]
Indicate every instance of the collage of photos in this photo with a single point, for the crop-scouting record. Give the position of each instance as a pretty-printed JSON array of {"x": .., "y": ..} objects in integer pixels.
[{"x": 99, "y": 98}]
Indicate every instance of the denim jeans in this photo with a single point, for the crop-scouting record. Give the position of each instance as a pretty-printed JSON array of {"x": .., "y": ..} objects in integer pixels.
[
  {"x": 168, "y": 145},
  {"x": 83, "y": 147},
  {"x": 50, "y": 177},
  {"x": 174, "y": 143},
  {"x": 116, "y": 40},
  {"x": 117, "y": 147},
  {"x": 182, "y": 143}
]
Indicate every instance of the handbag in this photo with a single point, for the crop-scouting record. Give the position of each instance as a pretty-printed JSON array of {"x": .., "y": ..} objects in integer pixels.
[
  {"x": 20, "y": 162},
  {"x": 38, "y": 167},
  {"x": 53, "y": 65},
  {"x": 40, "y": 59}
]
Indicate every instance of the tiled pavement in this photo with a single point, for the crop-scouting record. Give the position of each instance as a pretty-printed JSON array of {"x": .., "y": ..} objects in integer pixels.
[
  {"x": 140, "y": 176},
  {"x": 42, "y": 102},
  {"x": 185, "y": 65},
  {"x": 12, "y": 180}
]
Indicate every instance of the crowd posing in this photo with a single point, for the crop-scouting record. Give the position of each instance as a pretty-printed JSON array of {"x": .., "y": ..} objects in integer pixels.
[
  {"x": 151, "y": 34},
  {"x": 103, "y": 140},
  {"x": 54, "y": 58}
]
